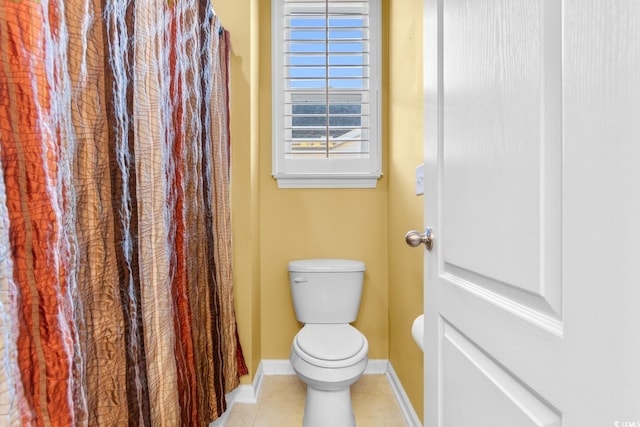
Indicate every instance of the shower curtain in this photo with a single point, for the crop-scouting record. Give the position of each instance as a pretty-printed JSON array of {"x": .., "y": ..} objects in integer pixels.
[{"x": 116, "y": 304}]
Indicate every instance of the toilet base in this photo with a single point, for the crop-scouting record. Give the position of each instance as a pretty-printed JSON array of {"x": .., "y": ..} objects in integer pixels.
[{"x": 324, "y": 408}]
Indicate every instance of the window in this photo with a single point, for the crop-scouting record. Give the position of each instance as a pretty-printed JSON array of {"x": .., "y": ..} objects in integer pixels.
[{"x": 326, "y": 93}]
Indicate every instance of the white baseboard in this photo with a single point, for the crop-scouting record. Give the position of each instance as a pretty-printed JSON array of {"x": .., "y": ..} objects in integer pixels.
[
  {"x": 250, "y": 393},
  {"x": 376, "y": 367},
  {"x": 283, "y": 367},
  {"x": 244, "y": 393},
  {"x": 277, "y": 367},
  {"x": 406, "y": 407}
]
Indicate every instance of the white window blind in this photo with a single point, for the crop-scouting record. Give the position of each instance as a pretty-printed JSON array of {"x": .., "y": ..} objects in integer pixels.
[{"x": 326, "y": 93}]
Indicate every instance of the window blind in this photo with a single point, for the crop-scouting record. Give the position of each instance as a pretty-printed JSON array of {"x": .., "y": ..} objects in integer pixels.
[{"x": 327, "y": 105}]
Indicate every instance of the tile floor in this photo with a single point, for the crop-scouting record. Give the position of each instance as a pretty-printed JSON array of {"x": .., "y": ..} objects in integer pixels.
[{"x": 281, "y": 404}]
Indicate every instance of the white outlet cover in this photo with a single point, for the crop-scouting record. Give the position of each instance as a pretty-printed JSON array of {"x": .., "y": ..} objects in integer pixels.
[{"x": 420, "y": 179}]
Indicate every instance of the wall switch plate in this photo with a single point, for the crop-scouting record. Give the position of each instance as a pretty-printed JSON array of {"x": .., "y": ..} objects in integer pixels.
[{"x": 420, "y": 179}]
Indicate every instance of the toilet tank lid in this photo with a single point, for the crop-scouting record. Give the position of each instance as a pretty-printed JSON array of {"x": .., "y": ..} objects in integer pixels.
[{"x": 327, "y": 265}]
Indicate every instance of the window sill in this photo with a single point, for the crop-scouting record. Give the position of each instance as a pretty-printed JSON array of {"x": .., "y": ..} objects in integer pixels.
[{"x": 324, "y": 181}]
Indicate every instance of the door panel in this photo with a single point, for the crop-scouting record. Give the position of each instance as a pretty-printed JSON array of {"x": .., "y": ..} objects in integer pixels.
[
  {"x": 470, "y": 374},
  {"x": 501, "y": 156},
  {"x": 532, "y": 178}
]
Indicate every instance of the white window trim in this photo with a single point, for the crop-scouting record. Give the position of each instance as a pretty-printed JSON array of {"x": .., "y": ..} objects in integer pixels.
[{"x": 326, "y": 173}]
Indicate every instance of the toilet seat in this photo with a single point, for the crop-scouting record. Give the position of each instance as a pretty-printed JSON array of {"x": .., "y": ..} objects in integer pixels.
[{"x": 330, "y": 345}]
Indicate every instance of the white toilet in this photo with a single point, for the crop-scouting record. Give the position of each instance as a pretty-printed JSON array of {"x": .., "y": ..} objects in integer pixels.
[{"x": 328, "y": 354}]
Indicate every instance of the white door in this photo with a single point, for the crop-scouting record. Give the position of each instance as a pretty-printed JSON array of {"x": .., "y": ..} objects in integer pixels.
[{"x": 532, "y": 189}]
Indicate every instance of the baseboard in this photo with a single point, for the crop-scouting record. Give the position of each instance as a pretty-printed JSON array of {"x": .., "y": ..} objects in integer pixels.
[
  {"x": 250, "y": 393},
  {"x": 283, "y": 367},
  {"x": 244, "y": 393},
  {"x": 406, "y": 407},
  {"x": 277, "y": 367},
  {"x": 377, "y": 367}
]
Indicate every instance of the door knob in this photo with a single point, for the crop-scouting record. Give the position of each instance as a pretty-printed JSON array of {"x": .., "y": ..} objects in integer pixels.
[{"x": 415, "y": 238}]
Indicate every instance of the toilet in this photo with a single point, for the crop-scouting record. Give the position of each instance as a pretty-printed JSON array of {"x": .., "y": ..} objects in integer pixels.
[{"x": 328, "y": 354}]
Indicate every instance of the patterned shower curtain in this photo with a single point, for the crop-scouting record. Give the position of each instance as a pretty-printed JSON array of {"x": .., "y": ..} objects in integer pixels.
[{"x": 116, "y": 303}]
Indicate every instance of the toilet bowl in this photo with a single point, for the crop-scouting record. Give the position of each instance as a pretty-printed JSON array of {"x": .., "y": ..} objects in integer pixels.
[
  {"x": 328, "y": 354},
  {"x": 328, "y": 359}
]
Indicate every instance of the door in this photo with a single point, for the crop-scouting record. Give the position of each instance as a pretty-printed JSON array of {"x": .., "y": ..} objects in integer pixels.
[{"x": 532, "y": 189}]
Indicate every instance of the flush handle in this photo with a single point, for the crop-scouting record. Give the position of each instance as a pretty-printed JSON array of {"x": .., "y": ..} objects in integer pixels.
[
  {"x": 300, "y": 280},
  {"x": 415, "y": 238}
]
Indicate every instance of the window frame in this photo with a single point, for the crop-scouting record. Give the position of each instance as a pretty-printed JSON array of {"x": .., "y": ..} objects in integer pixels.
[{"x": 328, "y": 172}]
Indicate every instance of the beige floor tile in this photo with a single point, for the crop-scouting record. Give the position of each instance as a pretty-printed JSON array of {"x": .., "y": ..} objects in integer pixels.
[
  {"x": 373, "y": 400},
  {"x": 281, "y": 404},
  {"x": 380, "y": 422},
  {"x": 242, "y": 415},
  {"x": 281, "y": 401}
]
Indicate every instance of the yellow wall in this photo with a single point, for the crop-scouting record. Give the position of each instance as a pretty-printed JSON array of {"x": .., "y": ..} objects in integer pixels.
[
  {"x": 272, "y": 226},
  {"x": 405, "y": 208},
  {"x": 310, "y": 223}
]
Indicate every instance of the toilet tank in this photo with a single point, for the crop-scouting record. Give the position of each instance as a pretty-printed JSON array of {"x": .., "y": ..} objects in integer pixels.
[{"x": 326, "y": 290}]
